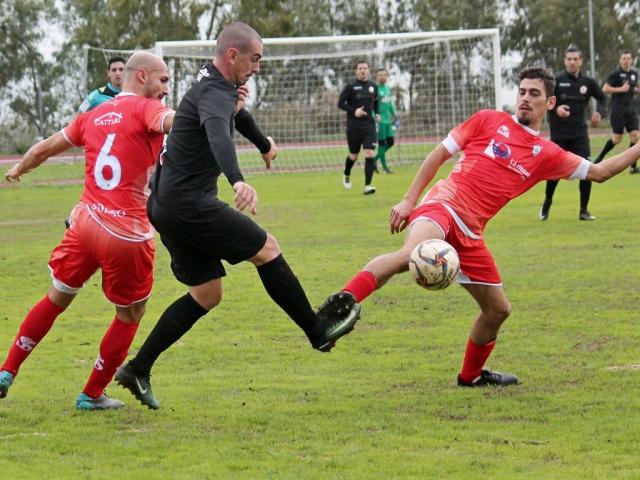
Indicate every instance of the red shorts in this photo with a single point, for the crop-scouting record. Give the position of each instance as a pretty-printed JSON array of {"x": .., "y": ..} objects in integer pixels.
[
  {"x": 127, "y": 267},
  {"x": 476, "y": 262}
]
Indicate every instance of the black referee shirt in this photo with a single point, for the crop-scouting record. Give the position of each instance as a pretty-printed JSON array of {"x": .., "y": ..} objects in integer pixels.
[
  {"x": 200, "y": 145},
  {"x": 359, "y": 94},
  {"x": 623, "y": 102},
  {"x": 575, "y": 92}
]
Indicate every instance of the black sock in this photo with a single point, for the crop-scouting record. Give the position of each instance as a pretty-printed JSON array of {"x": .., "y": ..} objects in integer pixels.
[
  {"x": 284, "y": 288},
  {"x": 369, "y": 168},
  {"x": 585, "y": 194},
  {"x": 348, "y": 165},
  {"x": 607, "y": 148},
  {"x": 550, "y": 190},
  {"x": 635, "y": 164},
  {"x": 176, "y": 320}
]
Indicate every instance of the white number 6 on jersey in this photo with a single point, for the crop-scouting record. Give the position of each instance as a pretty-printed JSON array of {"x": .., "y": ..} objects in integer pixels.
[{"x": 106, "y": 160}]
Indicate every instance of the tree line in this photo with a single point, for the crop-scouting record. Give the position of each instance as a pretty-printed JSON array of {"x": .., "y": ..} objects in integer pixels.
[{"x": 39, "y": 93}]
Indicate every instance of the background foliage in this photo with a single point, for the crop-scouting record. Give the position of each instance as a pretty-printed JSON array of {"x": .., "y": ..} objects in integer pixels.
[{"x": 39, "y": 93}]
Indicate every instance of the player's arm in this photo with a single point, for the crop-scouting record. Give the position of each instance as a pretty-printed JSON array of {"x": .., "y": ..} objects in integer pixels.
[
  {"x": 612, "y": 166},
  {"x": 400, "y": 212},
  {"x": 37, "y": 154},
  {"x": 344, "y": 102},
  {"x": 601, "y": 103},
  {"x": 376, "y": 102},
  {"x": 607, "y": 88},
  {"x": 246, "y": 125},
  {"x": 167, "y": 122}
]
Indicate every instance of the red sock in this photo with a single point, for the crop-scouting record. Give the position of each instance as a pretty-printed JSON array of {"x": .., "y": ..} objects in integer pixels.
[
  {"x": 34, "y": 327},
  {"x": 113, "y": 350},
  {"x": 361, "y": 285},
  {"x": 474, "y": 359}
]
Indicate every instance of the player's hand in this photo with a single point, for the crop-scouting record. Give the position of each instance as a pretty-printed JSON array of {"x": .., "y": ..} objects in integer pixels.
[
  {"x": 360, "y": 112},
  {"x": 596, "y": 118},
  {"x": 563, "y": 111},
  {"x": 243, "y": 93},
  {"x": 625, "y": 87},
  {"x": 378, "y": 117},
  {"x": 399, "y": 215},
  {"x": 13, "y": 174},
  {"x": 245, "y": 197},
  {"x": 271, "y": 155}
]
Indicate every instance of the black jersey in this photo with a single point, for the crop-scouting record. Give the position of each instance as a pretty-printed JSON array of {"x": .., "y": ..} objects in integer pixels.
[
  {"x": 575, "y": 92},
  {"x": 623, "y": 102},
  {"x": 359, "y": 94},
  {"x": 200, "y": 145}
]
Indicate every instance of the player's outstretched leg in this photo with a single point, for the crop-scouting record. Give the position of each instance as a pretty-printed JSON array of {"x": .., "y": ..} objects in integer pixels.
[
  {"x": 139, "y": 385},
  {"x": 103, "y": 402},
  {"x": 6, "y": 380},
  {"x": 336, "y": 317}
]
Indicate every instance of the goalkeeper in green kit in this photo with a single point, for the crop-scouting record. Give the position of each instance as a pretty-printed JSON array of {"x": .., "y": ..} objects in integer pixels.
[{"x": 386, "y": 119}]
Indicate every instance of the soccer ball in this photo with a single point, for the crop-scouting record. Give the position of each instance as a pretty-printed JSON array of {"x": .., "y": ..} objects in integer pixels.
[{"x": 434, "y": 264}]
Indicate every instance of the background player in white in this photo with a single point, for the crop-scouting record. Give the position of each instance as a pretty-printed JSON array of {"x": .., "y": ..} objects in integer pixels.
[
  {"x": 109, "y": 226},
  {"x": 504, "y": 156}
]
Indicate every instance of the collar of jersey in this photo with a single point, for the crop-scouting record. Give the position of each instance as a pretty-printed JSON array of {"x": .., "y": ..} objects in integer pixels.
[
  {"x": 528, "y": 129},
  {"x": 115, "y": 89}
]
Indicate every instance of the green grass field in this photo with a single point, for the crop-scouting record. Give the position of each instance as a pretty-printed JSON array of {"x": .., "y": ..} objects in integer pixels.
[{"x": 243, "y": 396}]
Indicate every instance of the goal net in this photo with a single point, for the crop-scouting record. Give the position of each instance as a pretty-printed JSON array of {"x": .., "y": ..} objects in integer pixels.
[{"x": 437, "y": 79}]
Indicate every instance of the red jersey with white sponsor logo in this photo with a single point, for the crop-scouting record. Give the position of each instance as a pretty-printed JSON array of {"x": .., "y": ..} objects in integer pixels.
[
  {"x": 501, "y": 160},
  {"x": 122, "y": 139}
]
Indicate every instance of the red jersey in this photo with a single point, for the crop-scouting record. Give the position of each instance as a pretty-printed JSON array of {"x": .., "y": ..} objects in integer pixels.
[
  {"x": 122, "y": 139},
  {"x": 501, "y": 160}
]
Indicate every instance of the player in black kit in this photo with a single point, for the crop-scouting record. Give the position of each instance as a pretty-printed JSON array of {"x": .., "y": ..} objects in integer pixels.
[
  {"x": 200, "y": 230},
  {"x": 360, "y": 100},
  {"x": 622, "y": 84},
  {"x": 568, "y": 125}
]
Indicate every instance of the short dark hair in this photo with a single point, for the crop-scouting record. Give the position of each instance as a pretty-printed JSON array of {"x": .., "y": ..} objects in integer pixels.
[
  {"x": 573, "y": 49},
  {"x": 625, "y": 52},
  {"x": 115, "y": 59},
  {"x": 360, "y": 62},
  {"x": 236, "y": 35},
  {"x": 382, "y": 70},
  {"x": 540, "y": 73}
]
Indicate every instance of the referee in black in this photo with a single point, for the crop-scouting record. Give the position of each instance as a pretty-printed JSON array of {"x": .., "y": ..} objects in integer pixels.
[
  {"x": 360, "y": 100},
  {"x": 568, "y": 125},
  {"x": 622, "y": 84},
  {"x": 199, "y": 230}
]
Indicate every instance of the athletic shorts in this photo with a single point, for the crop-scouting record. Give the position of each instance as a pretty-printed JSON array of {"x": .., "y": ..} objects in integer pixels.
[
  {"x": 199, "y": 239},
  {"x": 127, "y": 266},
  {"x": 622, "y": 120},
  {"x": 361, "y": 134},
  {"x": 385, "y": 130},
  {"x": 476, "y": 262},
  {"x": 578, "y": 145}
]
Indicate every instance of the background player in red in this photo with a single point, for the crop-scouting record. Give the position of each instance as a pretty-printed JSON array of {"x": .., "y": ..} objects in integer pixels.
[
  {"x": 109, "y": 229},
  {"x": 503, "y": 157}
]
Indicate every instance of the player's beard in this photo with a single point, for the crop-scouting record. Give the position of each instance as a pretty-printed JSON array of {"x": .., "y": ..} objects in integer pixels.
[{"x": 524, "y": 121}]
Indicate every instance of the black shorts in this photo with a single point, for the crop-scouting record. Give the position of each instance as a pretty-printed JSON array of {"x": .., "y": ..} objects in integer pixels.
[
  {"x": 622, "y": 120},
  {"x": 578, "y": 145},
  {"x": 198, "y": 240},
  {"x": 362, "y": 133}
]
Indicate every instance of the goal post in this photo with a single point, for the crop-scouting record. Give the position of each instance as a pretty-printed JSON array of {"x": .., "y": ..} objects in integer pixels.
[{"x": 437, "y": 79}]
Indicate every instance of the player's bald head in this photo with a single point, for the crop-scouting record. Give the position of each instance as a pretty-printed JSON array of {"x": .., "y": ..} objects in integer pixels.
[
  {"x": 145, "y": 60},
  {"x": 236, "y": 35}
]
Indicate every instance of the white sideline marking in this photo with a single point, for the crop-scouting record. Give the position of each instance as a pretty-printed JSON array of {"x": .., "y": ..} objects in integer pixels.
[{"x": 631, "y": 366}]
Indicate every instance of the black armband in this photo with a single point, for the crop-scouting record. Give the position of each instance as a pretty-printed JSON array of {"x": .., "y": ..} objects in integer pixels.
[{"x": 246, "y": 125}]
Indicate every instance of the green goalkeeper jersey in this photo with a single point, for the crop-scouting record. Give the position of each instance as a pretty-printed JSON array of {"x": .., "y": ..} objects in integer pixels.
[{"x": 385, "y": 104}]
